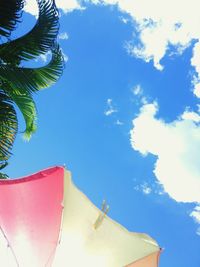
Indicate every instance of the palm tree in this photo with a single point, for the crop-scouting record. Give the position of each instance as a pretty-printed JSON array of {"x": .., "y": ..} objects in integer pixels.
[{"x": 17, "y": 84}]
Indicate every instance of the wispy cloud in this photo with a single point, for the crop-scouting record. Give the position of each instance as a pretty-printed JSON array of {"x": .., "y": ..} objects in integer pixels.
[
  {"x": 138, "y": 96},
  {"x": 63, "y": 36},
  {"x": 195, "y": 214},
  {"x": 45, "y": 57},
  {"x": 124, "y": 20},
  {"x": 110, "y": 109},
  {"x": 65, "y": 57},
  {"x": 137, "y": 90},
  {"x": 198, "y": 231},
  {"x": 118, "y": 122},
  {"x": 153, "y": 187},
  {"x": 144, "y": 188}
]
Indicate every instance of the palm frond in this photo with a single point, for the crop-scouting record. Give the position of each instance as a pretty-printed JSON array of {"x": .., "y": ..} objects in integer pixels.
[
  {"x": 38, "y": 41},
  {"x": 10, "y": 13},
  {"x": 8, "y": 126},
  {"x": 27, "y": 107},
  {"x": 28, "y": 80},
  {"x": 3, "y": 164},
  {"x": 3, "y": 176}
]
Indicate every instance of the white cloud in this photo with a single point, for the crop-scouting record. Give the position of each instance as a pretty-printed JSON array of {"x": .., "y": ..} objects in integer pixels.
[
  {"x": 69, "y": 5},
  {"x": 63, "y": 36},
  {"x": 196, "y": 64},
  {"x": 160, "y": 23},
  {"x": 66, "y": 6},
  {"x": 137, "y": 90},
  {"x": 31, "y": 7},
  {"x": 176, "y": 145},
  {"x": 190, "y": 115},
  {"x": 110, "y": 109},
  {"x": 124, "y": 20},
  {"x": 195, "y": 214},
  {"x": 65, "y": 57}
]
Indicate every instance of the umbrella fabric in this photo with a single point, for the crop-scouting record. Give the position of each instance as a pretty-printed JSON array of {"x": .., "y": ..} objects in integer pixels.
[
  {"x": 109, "y": 245},
  {"x": 149, "y": 261},
  {"x": 30, "y": 216},
  {"x": 47, "y": 221}
]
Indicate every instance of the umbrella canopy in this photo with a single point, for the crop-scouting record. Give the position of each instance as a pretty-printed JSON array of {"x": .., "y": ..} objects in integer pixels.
[{"x": 46, "y": 221}]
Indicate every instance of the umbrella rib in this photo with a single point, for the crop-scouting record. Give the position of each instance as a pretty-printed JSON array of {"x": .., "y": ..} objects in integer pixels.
[
  {"x": 102, "y": 215},
  {"x": 9, "y": 245}
]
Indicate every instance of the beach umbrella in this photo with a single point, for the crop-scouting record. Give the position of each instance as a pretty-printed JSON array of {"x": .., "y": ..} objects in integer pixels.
[{"x": 45, "y": 220}]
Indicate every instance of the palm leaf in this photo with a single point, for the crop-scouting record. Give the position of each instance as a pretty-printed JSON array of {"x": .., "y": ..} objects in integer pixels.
[
  {"x": 2, "y": 166},
  {"x": 9, "y": 15},
  {"x": 28, "y": 80},
  {"x": 8, "y": 126},
  {"x": 38, "y": 41},
  {"x": 27, "y": 107}
]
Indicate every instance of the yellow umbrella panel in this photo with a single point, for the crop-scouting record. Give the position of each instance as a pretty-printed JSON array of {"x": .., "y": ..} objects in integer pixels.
[{"x": 90, "y": 238}]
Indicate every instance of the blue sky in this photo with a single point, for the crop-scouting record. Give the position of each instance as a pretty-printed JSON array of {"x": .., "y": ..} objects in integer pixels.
[{"x": 124, "y": 118}]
